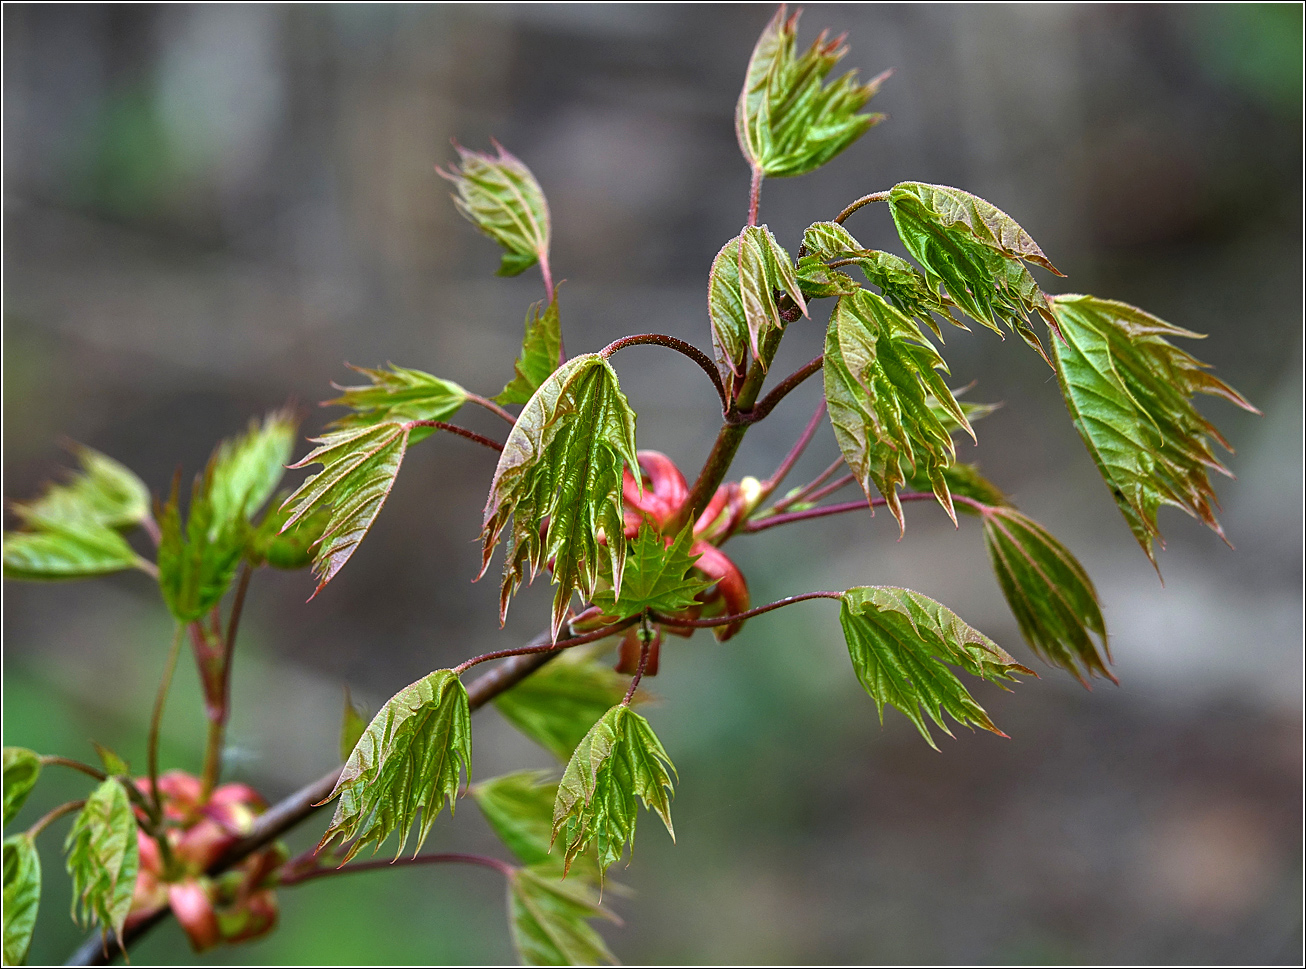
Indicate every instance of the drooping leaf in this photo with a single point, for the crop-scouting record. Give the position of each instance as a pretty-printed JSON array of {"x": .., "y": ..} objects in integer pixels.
[
  {"x": 22, "y": 767},
  {"x": 22, "y": 896},
  {"x": 963, "y": 481},
  {"x": 353, "y": 722},
  {"x": 72, "y": 550},
  {"x": 519, "y": 808},
  {"x": 725, "y": 309},
  {"x": 657, "y": 576},
  {"x": 198, "y": 561},
  {"x": 563, "y": 461},
  {"x": 1049, "y": 593},
  {"x": 974, "y": 251},
  {"x": 558, "y": 704},
  {"x": 788, "y": 120},
  {"x": 541, "y": 350},
  {"x": 548, "y": 919},
  {"x": 104, "y": 492},
  {"x": 103, "y": 857},
  {"x": 819, "y": 281},
  {"x": 499, "y": 195},
  {"x": 359, "y": 467},
  {"x": 618, "y": 760},
  {"x": 899, "y": 641},
  {"x": 1130, "y": 393},
  {"x": 880, "y": 374},
  {"x": 247, "y": 469},
  {"x": 407, "y": 762},
  {"x": 399, "y": 394}
]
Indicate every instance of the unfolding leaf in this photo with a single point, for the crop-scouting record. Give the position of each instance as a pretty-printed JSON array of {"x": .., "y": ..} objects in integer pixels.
[
  {"x": 974, "y": 251},
  {"x": 1049, "y": 592},
  {"x": 113, "y": 763},
  {"x": 540, "y": 351},
  {"x": 548, "y": 919},
  {"x": 819, "y": 281},
  {"x": 899, "y": 641},
  {"x": 103, "y": 493},
  {"x": 657, "y": 576},
  {"x": 880, "y": 375},
  {"x": 72, "y": 550},
  {"x": 1130, "y": 392},
  {"x": 352, "y": 724},
  {"x": 407, "y": 762},
  {"x": 725, "y": 309},
  {"x": 765, "y": 269},
  {"x": 558, "y": 704},
  {"x": 499, "y": 195},
  {"x": 399, "y": 394},
  {"x": 247, "y": 469},
  {"x": 563, "y": 461},
  {"x": 359, "y": 467},
  {"x": 22, "y": 767},
  {"x": 197, "y": 562},
  {"x": 618, "y": 760},
  {"x": 22, "y": 896},
  {"x": 103, "y": 857},
  {"x": 788, "y": 120},
  {"x": 293, "y": 548}
]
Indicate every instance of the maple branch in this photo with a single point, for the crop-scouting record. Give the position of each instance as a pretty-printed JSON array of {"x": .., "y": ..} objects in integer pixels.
[
  {"x": 680, "y": 346},
  {"x": 460, "y": 431},
  {"x": 767, "y": 403},
  {"x": 441, "y": 858}
]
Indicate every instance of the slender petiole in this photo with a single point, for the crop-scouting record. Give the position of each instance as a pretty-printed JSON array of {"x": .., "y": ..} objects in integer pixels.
[
  {"x": 802, "y": 493},
  {"x": 156, "y": 721},
  {"x": 561, "y": 644},
  {"x": 442, "y": 858},
  {"x": 767, "y": 403},
  {"x": 492, "y": 407},
  {"x": 45, "y": 820},
  {"x": 794, "y": 516},
  {"x": 461, "y": 432},
  {"x": 737, "y": 617},
  {"x": 645, "y": 647},
  {"x": 680, "y": 346},
  {"x": 805, "y": 438}
]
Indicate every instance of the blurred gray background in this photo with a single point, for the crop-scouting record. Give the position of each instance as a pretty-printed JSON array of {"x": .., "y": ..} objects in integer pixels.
[{"x": 209, "y": 209}]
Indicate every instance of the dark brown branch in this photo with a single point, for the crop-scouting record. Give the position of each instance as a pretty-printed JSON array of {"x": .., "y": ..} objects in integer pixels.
[
  {"x": 680, "y": 346},
  {"x": 461, "y": 432}
]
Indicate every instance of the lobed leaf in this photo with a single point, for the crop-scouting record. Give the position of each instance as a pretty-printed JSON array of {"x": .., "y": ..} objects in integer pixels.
[
  {"x": 519, "y": 807},
  {"x": 563, "y": 462},
  {"x": 399, "y": 394},
  {"x": 541, "y": 350},
  {"x": 1129, "y": 391},
  {"x": 787, "y": 120},
  {"x": 198, "y": 561},
  {"x": 359, "y": 467},
  {"x": 22, "y": 896},
  {"x": 73, "y": 550},
  {"x": 103, "y": 857},
  {"x": 499, "y": 195},
  {"x": 1049, "y": 593},
  {"x": 657, "y": 576},
  {"x": 880, "y": 378},
  {"x": 558, "y": 704},
  {"x": 548, "y": 920},
  {"x": 248, "y": 468},
  {"x": 899, "y": 641},
  {"x": 408, "y": 761},
  {"x": 22, "y": 768},
  {"x": 103, "y": 493},
  {"x": 618, "y": 760}
]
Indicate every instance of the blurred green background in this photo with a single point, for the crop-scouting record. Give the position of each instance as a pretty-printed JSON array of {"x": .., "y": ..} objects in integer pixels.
[{"x": 209, "y": 209}]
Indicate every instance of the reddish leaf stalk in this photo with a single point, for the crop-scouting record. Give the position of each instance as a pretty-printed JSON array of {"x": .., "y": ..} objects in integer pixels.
[
  {"x": 546, "y": 647},
  {"x": 492, "y": 407},
  {"x": 645, "y": 647},
  {"x": 787, "y": 465},
  {"x": 680, "y": 346},
  {"x": 156, "y": 720},
  {"x": 767, "y": 403},
  {"x": 805, "y": 491},
  {"x": 741, "y": 616},
  {"x": 754, "y": 195},
  {"x": 461, "y": 432},
  {"x": 864, "y": 200},
  {"x": 54, "y": 814},
  {"x": 793, "y": 516},
  {"x": 442, "y": 858}
]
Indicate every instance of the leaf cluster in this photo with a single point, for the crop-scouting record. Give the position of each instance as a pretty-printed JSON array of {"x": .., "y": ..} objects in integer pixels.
[
  {"x": 103, "y": 857},
  {"x": 657, "y": 577}
]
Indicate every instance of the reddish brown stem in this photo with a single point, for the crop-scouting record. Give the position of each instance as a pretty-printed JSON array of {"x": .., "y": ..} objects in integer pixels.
[
  {"x": 795, "y": 452},
  {"x": 754, "y": 195},
  {"x": 680, "y": 346},
  {"x": 802, "y": 493},
  {"x": 492, "y": 407},
  {"x": 442, "y": 858},
  {"x": 864, "y": 200},
  {"x": 461, "y": 432},
  {"x": 645, "y": 647},
  {"x": 767, "y": 403},
  {"x": 739, "y": 617},
  {"x": 546, "y": 646},
  {"x": 795, "y": 516},
  {"x": 53, "y": 815}
]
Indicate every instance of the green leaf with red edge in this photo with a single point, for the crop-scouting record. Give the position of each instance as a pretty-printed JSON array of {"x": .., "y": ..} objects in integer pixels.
[
  {"x": 406, "y": 763},
  {"x": 541, "y": 350},
  {"x": 291, "y": 549},
  {"x": 1049, "y": 593},
  {"x": 22, "y": 769},
  {"x": 22, "y": 896},
  {"x": 558, "y": 704},
  {"x": 103, "y": 857},
  {"x": 881, "y": 375},
  {"x": 399, "y": 394},
  {"x": 499, "y": 195},
  {"x": 619, "y": 760},
  {"x": 1130, "y": 390},
  {"x": 657, "y": 576},
  {"x": 788, "y": 120},
  {"x": 563, "y": 462},
  {"x": 899, "y": 642},
  {"x": 549, "y": 919}
]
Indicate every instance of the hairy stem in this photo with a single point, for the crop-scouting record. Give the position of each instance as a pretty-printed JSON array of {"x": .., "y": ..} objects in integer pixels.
[
  {"x": 864, "y": 200},
  {"x": 767, "y": 403},
  {"x": 772, "y": 521},
  {"x": 546, "y": 646},
  {"x": 680, "y": 346},
  {"x": 739, "y": 616},
  {"x": 156, "y": 721},
  {"x": 754, "y": 195},
  {"x": 52, "y": 815},
  {"x": 461, "y": 432},
  {"x": 492, "y": 407}
]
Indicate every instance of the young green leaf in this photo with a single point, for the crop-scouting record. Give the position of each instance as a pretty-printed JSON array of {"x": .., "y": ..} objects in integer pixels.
[
  {"x": 103, "y": 857},
  {"x": 197, "y": 562},
  {"x": 558, "y": 704},
  {"x": 619, "y": 759},
  {"x": 788, "y": 120},
  {"x": 67, "y": 550},
  {"x": 352, "y": 724},
  {"x": 725, "y": 310},
  {"x": 974, "y": 251},
  {"x": 359, "y": 467},
  {"x": 500, "y": 196},
  {"x": 541, "y": 350},
  {"x": 22, "y": 896},
  {"x": 399, "y": 394},
  {"x": 247, "y": 469},
  {"x": 1049, "y": 593},
  {"x": 22, "y": 767},
  {"x": 880, "y": 376},
  {"x": 103, "y": 493},
  {"x": 519, "y": 807},
  {"x": 1130, "y": 392},
  {"x": 657, "y": 576},
  {"x": 765, "y": 269},
  {"x": 548, "y": 919},
  {"x": 291, "y": 549},
  {"x": 113, "y": 763},
  {"x": 819, "y": 281},
  {"x": 963, "y": 480},
  {"x": 899, "y": 641},
  {"x": 408, "y": 761},
  {"x": 563, "y": 462}
]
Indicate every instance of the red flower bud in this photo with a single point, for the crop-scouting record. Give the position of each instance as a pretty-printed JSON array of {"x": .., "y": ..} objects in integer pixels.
[{"x": 191, "y": 904}]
